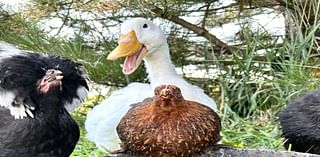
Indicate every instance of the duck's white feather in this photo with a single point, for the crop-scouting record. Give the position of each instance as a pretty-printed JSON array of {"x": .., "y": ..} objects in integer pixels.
[
  {"x": 161, "y": 71},
  {"x": 102, "y": 121}
]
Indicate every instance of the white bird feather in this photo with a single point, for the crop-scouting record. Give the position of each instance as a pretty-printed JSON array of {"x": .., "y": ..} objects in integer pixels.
[{"x": 102, "y": 121}]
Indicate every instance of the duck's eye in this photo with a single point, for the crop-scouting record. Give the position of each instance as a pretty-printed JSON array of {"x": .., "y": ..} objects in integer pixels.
[{"x": 145, "y": 26}]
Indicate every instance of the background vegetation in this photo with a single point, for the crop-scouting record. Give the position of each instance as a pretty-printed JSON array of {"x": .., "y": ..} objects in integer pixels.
[{"x": 257, "y": 72}]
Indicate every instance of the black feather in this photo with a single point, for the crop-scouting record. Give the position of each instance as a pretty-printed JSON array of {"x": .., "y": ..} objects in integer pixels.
[
  {"x": 52, "y": 132},
  {"x": 46, "y": 135},
  {"x": 21, "y": 73},
  {"x": 300, "y": 122}
]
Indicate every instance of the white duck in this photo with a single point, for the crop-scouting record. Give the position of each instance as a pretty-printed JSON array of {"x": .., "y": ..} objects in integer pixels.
[{"x": 140, "y": 40}]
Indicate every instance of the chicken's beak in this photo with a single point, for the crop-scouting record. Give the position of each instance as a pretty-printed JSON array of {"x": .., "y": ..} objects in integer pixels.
[
  {"x": 58, "y": 75},
  {"x": 166, "y": 94},
  {"x": 52, "y": 78},
  {"x": 128, "y": 46},
  {"x": 53, "y": 75}
]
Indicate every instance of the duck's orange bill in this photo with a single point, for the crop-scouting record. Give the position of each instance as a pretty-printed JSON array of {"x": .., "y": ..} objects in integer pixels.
[{"x": 128, "y": 46}]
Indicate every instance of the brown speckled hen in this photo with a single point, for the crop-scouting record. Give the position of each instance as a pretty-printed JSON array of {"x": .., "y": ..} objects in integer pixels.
[{"x": 168, "y": 125}]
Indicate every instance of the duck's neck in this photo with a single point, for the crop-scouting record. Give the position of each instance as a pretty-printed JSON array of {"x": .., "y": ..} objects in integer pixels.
[{"x": 159, "y": 67}]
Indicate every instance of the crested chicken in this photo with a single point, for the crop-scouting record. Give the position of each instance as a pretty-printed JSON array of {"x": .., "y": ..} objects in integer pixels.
[
  {"x": 168, "y": 125},
  {"x": 300, "y": 123},
  {"x": 35, "y": 90}
]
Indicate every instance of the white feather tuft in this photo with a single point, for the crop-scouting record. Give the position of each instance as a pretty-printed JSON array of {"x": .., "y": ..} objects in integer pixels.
[
  {"x": 82, "y": 93},
  {"x": 19, "y": 111},
  {"x": 7, "y": 98}
]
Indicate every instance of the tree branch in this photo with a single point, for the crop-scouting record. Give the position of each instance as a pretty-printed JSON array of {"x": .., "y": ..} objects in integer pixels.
[
  {"x": 65, "y": 19},
  {"x": 196, "y": 29},
  {"x": 206, "y": 13}
]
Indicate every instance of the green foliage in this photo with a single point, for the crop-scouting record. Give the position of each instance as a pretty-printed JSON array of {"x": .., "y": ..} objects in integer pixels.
[
  {"x": 94, "y": 60},
  {"x": 252, "y": 84},
  {"x": 84, "y": 147},
  {"x": 259, "y": 131},
  {"x": 257, "y": 82},
  {"x": 247, "y": 83}
]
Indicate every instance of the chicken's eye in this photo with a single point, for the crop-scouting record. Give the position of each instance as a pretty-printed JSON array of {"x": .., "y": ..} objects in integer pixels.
[
  {"x": 177, "y": 91},
  {"x": 145, "y": 26}
]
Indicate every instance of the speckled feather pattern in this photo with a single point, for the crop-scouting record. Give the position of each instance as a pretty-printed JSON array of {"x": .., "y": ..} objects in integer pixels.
[
  {"x": 102, "y": 119},
  {"x": 183, "y": 130}
]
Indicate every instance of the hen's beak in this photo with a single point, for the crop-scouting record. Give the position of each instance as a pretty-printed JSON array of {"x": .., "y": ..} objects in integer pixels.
[
  {"x": 58, "y": 74},
  {"x": 166, "y": 93},
  {"x": 53, "y": 75},
  {"x": 52, "y": 78},
  {"x": 128, "y": 46}
]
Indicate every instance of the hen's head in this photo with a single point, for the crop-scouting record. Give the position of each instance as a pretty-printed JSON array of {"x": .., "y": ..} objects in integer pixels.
[
  {"x": 167, "y": 95},
  {"x": 32, "y": 79},
  {"x": 58, "y": 77},
  {"x": 51, "y": 81}
]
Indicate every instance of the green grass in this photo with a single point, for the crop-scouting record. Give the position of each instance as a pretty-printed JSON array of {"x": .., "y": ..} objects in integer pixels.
[
  {"x": 257, "y": 131},
  {"x": 252, "y": 132},
  {"x": 248, "y": 106},
  {"x": 86, "y": 148}
]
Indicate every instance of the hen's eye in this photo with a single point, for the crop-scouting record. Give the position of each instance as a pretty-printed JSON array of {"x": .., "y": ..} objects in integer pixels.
[{"x": 145, "y": 26}]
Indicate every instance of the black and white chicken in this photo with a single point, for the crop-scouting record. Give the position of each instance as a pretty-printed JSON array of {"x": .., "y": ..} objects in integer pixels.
[{"x": 35, "y": 90}]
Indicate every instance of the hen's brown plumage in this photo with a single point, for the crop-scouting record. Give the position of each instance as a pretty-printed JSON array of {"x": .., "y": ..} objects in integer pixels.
[{"x": 168, "y": 125}]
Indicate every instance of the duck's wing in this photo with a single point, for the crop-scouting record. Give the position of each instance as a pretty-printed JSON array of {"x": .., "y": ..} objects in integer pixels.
[
  {"x": 103, "y": 119},
  {"x": 200, "y": 96}
]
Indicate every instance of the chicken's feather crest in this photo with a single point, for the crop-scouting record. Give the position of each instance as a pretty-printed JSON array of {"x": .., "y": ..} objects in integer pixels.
[{"x": 21, "y": 71}]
